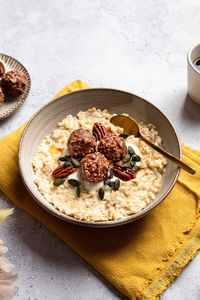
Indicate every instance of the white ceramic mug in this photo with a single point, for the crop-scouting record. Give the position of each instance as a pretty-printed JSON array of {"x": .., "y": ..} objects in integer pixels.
[{"x": 193, "y": 74}]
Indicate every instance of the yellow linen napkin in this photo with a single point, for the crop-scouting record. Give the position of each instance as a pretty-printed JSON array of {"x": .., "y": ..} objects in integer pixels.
[{"x": 140, "y": 258}]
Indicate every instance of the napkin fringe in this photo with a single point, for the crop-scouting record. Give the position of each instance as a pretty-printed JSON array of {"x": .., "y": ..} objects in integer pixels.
[
  {"x": 195, "y": 151},
  {"x": 174, "y": 270},
  {"x": 154, "y": 291}
]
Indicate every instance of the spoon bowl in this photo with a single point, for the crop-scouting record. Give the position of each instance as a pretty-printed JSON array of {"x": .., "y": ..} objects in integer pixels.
[{"x": 131, "y": 127}]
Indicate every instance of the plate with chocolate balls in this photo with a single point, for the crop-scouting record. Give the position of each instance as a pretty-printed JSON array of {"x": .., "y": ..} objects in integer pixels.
[{"x": 15, "y": 85}]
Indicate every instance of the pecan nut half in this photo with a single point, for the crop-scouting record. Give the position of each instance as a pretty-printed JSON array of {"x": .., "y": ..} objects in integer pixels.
[
  {"x": 122, "y": 172},
  {"x": 63, "y": 172},
  {"x": 100, "y": 130}
]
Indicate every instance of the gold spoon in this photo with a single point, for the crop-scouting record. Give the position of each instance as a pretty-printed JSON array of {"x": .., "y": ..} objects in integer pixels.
[{"x": 131, "y": 127}]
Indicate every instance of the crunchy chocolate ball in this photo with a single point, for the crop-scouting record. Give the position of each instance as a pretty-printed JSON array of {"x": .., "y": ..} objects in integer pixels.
[
  {"x": 113, "y": 147},
  {"x": 1, "y": 96},
  {"x": 1, "y": 70},
  {"x": 81, "y": 142},
  {"x": 94, "y": 167},
  {"x": 14, "y": 82}
]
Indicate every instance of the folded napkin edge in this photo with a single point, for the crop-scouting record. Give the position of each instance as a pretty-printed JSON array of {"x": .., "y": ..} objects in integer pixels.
[{"x": 154, "y": 291}]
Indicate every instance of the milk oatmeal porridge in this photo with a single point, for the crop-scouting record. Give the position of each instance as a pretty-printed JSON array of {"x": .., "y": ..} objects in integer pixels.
[{"x": 88, "y": 169}]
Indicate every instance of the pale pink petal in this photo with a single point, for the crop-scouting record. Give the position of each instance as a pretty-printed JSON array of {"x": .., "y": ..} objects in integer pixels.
[
  {"x": 3, "y": 250},
  {"x": 5, "y": 264},
  {"x": 8, "y": 292},
  {"x": 7, "y": 277}
]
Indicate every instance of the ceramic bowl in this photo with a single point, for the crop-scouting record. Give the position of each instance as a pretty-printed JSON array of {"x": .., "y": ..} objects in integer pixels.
[{"x": 115, "y": 101}]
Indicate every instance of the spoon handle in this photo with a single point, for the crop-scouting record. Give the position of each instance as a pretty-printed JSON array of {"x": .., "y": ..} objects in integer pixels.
[{"x": 170, "y": 156}]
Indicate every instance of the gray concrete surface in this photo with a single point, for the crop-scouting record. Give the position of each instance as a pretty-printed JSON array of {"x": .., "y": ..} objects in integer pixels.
[{"x": 139, "y": 46}]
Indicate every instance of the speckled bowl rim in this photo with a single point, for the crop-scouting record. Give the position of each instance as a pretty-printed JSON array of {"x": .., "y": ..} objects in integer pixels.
[
  {"x": 23, "y": 97},
  {"x": 100, "y": 224}
]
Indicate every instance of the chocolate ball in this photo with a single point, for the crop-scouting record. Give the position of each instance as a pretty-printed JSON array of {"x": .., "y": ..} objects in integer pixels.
[
  {"x": 94, "y": 167},
  {"x": 1, "y": 70},
  {"x": 113, "y": 147},
  {"x": 81, "y": 142},
  {"x": 13, "y": 82},
  {"x": 1, "y": 96}
]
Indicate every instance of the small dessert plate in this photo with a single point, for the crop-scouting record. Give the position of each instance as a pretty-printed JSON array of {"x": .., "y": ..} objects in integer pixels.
[{"x": 11, "y": 104}]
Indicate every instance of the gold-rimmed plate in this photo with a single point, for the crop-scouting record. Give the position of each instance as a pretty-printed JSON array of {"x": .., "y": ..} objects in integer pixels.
[{"x": 11, "y": 104}]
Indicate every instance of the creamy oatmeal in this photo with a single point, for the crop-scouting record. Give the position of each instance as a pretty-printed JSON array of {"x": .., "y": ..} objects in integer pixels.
[{"x": 85, "y": 202}]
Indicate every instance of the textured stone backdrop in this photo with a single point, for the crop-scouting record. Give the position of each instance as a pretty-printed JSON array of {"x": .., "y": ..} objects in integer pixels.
[{"x": 139, "y": 46}]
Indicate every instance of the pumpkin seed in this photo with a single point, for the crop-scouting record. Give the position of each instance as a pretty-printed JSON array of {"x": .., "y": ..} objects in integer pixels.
[
  {"x": 131, "y": 151},
  {"x": 110, "y": 174},
  {"x": 135, "y": 169},
  {"x": 101, "y": 193},
  {"x": 127, "y": 165},
  {"x": 124, "y": 135},
  {"x": 95, "y": 135},
  {"x": 79, "y": 158},
  {"x": 136, "y": 158},
  {"x": 64, "y": 158},
  {"x": 111, "y": 184},
  {"x": 116, "y": 184},
  {"x": 78, "y": 191},
  {"x": 73, "y": 182},
  {"x": 126, "y": 158},
  {"x": 132, "y": 163},
  {"x": 67, "y": 164},
  {"x": 106, "y": 181},
  {"x": 59, "y": 181},
  {"x": 75, "y": 162}
]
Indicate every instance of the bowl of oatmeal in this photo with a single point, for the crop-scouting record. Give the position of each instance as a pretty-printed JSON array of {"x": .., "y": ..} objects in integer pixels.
[{"x": 83, "y": 169}]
